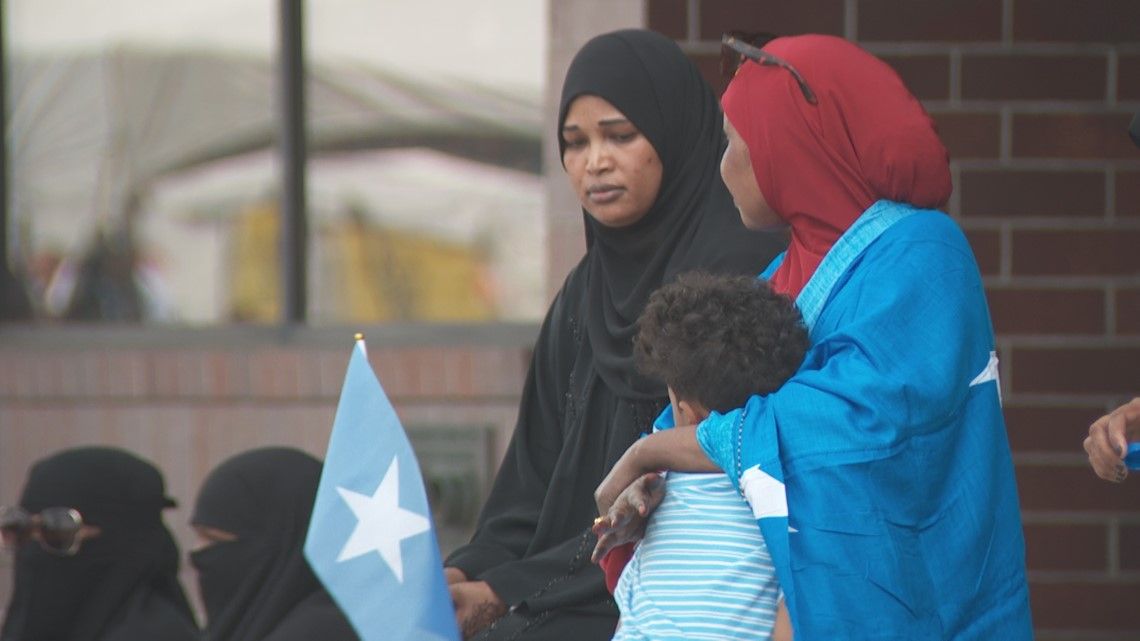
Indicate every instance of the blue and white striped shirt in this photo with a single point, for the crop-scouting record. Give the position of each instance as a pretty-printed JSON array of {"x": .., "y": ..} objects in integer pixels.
[{"x": 702, "y": 571}]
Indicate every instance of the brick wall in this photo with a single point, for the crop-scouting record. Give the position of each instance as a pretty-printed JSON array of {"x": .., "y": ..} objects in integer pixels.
[
  {"x": 188, "y": 400},
  {"x": 1032, "y": 98}
]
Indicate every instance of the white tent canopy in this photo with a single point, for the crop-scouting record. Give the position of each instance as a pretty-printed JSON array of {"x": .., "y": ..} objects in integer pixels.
[{"x": 88, "y": 131}]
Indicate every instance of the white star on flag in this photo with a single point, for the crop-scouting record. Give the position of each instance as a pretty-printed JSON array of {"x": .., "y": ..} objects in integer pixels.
[{"x": 381, "y": 524}]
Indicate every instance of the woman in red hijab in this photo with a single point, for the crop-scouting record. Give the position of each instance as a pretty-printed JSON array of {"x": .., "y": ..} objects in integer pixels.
[{"x": 880, "y": 473}]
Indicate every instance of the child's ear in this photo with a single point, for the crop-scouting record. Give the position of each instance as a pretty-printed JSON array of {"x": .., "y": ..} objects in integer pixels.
[{"x": 691, "y": 412}]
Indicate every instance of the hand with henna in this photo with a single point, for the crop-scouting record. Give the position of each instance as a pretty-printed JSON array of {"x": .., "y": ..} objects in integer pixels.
[
  {"x": 476, "y": 605},
  {"x": 626, "y": 519}
]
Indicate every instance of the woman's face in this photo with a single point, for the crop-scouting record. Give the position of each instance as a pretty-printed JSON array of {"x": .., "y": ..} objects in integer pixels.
[
  {"x": 613, "y": 168},
  {"x": 736, "y": 170}
]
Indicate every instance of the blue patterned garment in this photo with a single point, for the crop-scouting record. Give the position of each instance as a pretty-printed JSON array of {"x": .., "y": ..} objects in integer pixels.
[
  {"x": 701, "y": 571},
  {"x": 901, "y": 518}
]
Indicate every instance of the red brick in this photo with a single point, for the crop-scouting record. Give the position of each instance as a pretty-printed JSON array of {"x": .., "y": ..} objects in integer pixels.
[
  {"x": 1066, "y": 547},
  {"x": 1032, "y": 193},
  {"x": 772, "y": 16},
  {"x": 1128, "y": 77},
  {"x": 1073, "y": 136},
  {"x": 1028, "y": 77},
  {"x": 1128, "y": 311},
  {"x": 669, "y": 17},
  {"x": 1076, "y": 20},
  {"x": 986, "y": 244},
  {"x": 1073, "y": 488},
  {"x": 1130, "y": 545},
  {"x": 276, "y": 373},
  {"x": 927, "y": 76},
  {"x": 1086, "y": 252},
  {"x": 1076, "y": 370},
  {"x": 970, "y": 135},
  {"x": 1035, "y": 428},
  {"x": 906, "y": 20},
  {"x": 1047, "y": 311},
  {"x": 1128, "y": 193},
  {"x": 1087, "y": 606}
]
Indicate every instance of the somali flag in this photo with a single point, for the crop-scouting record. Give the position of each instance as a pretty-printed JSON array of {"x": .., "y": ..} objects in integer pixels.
[{"x": 371, "y": 540}]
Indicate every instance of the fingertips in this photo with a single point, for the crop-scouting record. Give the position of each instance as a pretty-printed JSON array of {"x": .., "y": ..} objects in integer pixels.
[{"x": 601, "y": 548}]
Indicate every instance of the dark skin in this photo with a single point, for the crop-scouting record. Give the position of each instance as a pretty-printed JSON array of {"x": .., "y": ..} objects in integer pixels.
[
  {"x": 476, "y": 604},
  {"x": 1108, "y": 439},
  {"x": 627, "y": 495},
  {"x": 625, "y": 522}
]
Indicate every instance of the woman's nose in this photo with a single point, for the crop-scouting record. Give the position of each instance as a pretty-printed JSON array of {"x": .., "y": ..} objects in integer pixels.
[{"x": 598, "y": 159}]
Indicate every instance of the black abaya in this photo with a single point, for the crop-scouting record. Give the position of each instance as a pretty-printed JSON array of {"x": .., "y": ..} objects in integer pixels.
[{"x": 583, "y": 403}]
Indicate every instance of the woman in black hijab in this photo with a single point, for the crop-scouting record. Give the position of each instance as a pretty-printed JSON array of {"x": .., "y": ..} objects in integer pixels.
[
  {"x": 121, "y": 583},
  {"x": 584, "y": 402},
  {"x": 252, "y": 515}
]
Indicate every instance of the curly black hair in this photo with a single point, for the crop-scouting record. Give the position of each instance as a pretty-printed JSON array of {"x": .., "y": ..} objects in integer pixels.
[{"x": 717, "y": 340}]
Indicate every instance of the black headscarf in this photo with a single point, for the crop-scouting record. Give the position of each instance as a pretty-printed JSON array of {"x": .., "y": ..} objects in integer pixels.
[
  {"x": 81, "y": 597},
  {"x": 583, "y": 404},
  {"x": 693, "y": 222},
  {"x": 250, "y": 585}
]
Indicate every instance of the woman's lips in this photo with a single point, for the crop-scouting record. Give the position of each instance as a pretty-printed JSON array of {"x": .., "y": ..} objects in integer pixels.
[{"x": 604, "y": 194}]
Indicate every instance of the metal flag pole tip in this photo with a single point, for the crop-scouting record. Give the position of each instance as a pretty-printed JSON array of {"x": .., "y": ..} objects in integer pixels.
[{"x": 358, "y": 336}]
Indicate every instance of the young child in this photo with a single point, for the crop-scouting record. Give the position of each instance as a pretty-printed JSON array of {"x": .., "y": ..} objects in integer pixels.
[{"x": 702, "y": 569}]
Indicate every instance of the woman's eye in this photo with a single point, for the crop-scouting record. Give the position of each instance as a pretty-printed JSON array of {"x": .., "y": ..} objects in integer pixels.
[
  {"x": 574, "y": 143},
  {"x": 625, "y": 136}
]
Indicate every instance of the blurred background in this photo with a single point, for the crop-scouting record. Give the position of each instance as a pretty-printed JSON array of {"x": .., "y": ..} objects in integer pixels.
[{"x": 186, "y": 264}]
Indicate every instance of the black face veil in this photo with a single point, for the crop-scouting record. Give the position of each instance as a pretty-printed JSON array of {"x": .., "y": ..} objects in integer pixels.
[
  {"x": 693, "y": 222},
  {"x": 77, "y": 597},
  {"x": 265, "y": 497}
]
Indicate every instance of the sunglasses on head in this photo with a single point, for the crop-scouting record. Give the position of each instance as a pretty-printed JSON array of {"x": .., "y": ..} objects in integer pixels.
[
  {"x": 759, "y": 56},
  {"x": 56, "y": 529}
]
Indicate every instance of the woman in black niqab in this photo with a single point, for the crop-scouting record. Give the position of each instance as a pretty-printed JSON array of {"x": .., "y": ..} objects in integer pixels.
[
  {"x": 256, "y": 584},
  {"x": 584, "y": 403},
  {"x": 121, "y": 585}
]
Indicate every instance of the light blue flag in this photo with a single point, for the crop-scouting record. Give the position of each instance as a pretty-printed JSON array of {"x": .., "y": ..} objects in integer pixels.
[{"x": 371, "y": 540}]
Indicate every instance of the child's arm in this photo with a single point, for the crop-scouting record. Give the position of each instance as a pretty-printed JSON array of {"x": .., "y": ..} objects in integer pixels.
[{"x": 782, "y": 630}]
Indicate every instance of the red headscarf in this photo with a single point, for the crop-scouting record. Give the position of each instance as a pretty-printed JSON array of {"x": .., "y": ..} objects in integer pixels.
[{"x": 821, "y": 166}]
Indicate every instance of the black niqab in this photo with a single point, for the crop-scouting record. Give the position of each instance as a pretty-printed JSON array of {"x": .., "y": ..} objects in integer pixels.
[
  {"x": 692, "y": 224},
  {"x": 119, "y": 583},
  {"x": 260, "y": 584}
]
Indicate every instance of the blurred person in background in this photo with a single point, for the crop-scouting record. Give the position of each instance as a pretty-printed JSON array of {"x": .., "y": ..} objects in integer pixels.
[
  {"x": 93, "y": 559},
  {"x": 251, "y": 519}
]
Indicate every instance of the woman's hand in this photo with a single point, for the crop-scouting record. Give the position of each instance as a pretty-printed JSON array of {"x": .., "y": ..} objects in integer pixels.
[
  {"x": 476, "y": 606},
  {"x": 672, "y": 449},
  {"x": 627, "y": 470},
  {"x": 625, "y": 521},
  {"x": 1108, "y": 438}
]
